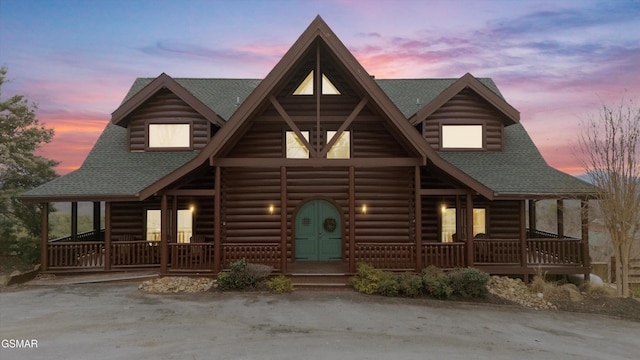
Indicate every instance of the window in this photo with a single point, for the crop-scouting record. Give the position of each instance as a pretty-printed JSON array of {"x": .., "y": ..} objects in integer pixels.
[
  {"x": 295, "y": 146},
  {"x": 462, "y": 137},
  {"x": 448, "y": 224},
  {"x": 307, "y": 86},
  {"x": 341, "y": 149},
  {"x": 169, "y": 135},
  {"x": 185, "y": 225}
]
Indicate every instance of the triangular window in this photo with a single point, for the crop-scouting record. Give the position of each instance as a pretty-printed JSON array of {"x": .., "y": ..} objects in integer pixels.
[{"x": 307, "y": 86}]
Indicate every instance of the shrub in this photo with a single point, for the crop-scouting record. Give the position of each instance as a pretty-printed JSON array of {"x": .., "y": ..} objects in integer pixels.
[
  {"x": 410, "y": 284},
  {"x": 597, "y": 290},
  {"x": 436, "y": 283},
  {"x": 367, "y": 279},
  {"x": 280, "y": 284},
  {"x": 242, "y": 275},
  {"x": 389, "y": 285},
  {"x": 469, "y": 282}
]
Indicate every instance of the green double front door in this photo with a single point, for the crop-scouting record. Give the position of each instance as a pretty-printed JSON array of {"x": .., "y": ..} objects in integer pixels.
[{"x": 318, "y": 232}]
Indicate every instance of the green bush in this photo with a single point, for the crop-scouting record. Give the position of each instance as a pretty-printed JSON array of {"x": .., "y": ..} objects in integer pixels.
[
  {"x": 436, "y": 283},
  {"x": 242, "y": 276},
  {"x": 389, "y": 285},
  {"x": 280, "y": 285},
  {"x": 469, "y": 282},
  {"x": 367, "y": 279},
  {"x": 410, "y": 284}
]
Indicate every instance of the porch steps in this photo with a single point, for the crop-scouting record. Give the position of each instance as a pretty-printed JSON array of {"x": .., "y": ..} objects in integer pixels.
[{"x": 321, "y": 281}]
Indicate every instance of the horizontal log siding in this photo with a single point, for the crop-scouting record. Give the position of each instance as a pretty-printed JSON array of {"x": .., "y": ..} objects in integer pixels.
[
  {"x": 504, "y": 219},
  {"x": 246, "y": 197},
  {"x": 372, "y": 139},
  {"x": 304, "y": 184},
  {"x": 388, "y": 194},
  {"x": 465, "y": 108},
  {"x": 166, "y": 107}
]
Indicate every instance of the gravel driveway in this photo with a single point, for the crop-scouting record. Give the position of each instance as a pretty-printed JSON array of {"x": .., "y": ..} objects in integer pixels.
[{"x": 116, "y": 321}]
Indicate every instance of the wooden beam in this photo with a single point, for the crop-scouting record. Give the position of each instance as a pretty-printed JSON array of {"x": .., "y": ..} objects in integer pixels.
[
  {"x": 96, "y": 220},
  {"x": 44, "y": 237},
  {"x": 418, "y": 218},
  {"x": 283, "y": 220},
  {"x": 440, "y": 192},
  {"x": 560, "y": 217},
  {"x": 190, "y": 192},
  {"x": 312, "y": 119},
  {"x": 523, "y": 241},
  {"x": 317, "y": 162},
  {"x": 217, "y": 238},
  {"x": 164, "y": 235},
  {"x": 293, "y": 126},
  {"x": 352, "y": 219},
  {"x": 318, "y": 94},
  {"x": 532, "y": 215},
  {"x": 107, "y": 235},
  {"x": 74, "y": 221},
  {"x": 342, "y": 127}
]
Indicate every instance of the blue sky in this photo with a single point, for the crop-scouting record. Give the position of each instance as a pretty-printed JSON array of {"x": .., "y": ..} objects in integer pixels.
[{"x": 555, "y": 61}]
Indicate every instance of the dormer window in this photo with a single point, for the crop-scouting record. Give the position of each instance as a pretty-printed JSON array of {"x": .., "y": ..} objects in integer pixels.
[
  {"x": 169, "y": 136},
  {"x": 466, "y": 137},
  {"x": 307, "y": 86}
]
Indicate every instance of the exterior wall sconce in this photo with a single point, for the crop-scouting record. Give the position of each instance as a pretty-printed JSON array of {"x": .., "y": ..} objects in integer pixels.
[
  {"x": 272, "y": 209},
  {"x": 364, "y": 209},
  {"x": 192, "y": 208}
]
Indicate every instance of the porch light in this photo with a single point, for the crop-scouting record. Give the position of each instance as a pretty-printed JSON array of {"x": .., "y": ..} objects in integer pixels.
[
  {"x": 272, "y": 209},
  {"x": 363, "y": 210},
  {"x": 192, "y": 208}
]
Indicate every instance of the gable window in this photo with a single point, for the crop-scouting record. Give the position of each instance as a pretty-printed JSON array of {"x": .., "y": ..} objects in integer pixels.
[
  {"x": 307, "y": 86},
  {"x": 448, "y": 224},
  {"x": 185, "y": 225},
  {"x": 169, "y": 136},
  {"x": 462, "y": 137},
  {"x": 295, "y": 146},
  {"x": 341, "y": 149}
]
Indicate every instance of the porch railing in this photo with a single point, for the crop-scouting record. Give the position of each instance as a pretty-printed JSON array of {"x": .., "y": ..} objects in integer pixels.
[
  {"x": 135, "y": 253},
  {"x": 267, "y": 254},
  {"x": 88, "y": 254},
  {"x": 554, "y": 251},
  {"x": 191, "y": 256},
  {"x": 389, "y": 256},
  {"x": 444, "y": 255},
  {"x": 90, "y": 235},
  {"x": 490, "y": 251}
]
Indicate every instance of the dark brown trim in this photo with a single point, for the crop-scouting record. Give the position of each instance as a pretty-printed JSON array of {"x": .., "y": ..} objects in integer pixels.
[
  {"x": 107, "y": 236},
  {"x": 292, "y": 125},
  {"x": 584, "y": 221},
  {"x": 343, "y": 127},
  {"x": 164, "y": 235},
  {"x": 316, "y": 162},
  {"x": 560, "y": 217},
  {"x": 74, "y": 221},
  {"x": 523, "y": 239},
  {"x": 467, "y": 81},
  {"x": 469, "y": 226},
  {"x": 217, "y": 221},
  {"x": 283, "y": 220},
  {"x": 418, "y": 217},
  {"x": 352, "y": 219},
  {"x": 190, "y": 192},
  {"x": 483, "y": 126},
  {"x": 176, "y": 121},
  {"x": 440, "y": 192}
]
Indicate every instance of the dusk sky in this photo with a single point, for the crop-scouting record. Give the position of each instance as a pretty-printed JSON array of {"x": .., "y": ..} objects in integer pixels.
[{"x": 555, "y": 61}]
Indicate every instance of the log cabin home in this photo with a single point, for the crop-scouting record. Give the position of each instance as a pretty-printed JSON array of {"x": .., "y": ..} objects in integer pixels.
[{"x": 319, "y": 162}]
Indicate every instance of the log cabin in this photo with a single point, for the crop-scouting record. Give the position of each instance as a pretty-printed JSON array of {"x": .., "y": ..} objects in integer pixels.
[{"x": 319, "y": 162}]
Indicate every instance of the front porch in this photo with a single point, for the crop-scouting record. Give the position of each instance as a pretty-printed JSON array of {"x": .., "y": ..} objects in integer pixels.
[{"x": 495, "y": 256}]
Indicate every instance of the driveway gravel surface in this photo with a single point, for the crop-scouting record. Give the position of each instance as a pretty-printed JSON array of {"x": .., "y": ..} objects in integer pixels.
[{"x": 117, "y": 321}]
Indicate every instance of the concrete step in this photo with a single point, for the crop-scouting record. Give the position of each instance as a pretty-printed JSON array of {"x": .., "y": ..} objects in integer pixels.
[{"x": 321, "y": 281}]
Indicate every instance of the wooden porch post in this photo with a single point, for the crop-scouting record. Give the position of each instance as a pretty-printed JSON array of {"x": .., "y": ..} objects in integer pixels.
[
  {"x": 107, "y": 235},
  {"x": 523, "y": 241},
  {"x": 418, "y": 219},
  {"x": 469, "y": 222},
  {"x": 44, "y": 236},
  {"x": 217, "y": 222},
  {"x": 584, "y": 206},
  {"x": 560, "y": 216},
  {"x": 283, "y": 219},
  {"x": 96, "y": 221},
  {"x": 164, "y": 234},
  {"x": 352, "y": 219},
  {"x": 74, "y": 221},
  {"x": 532, "y": 216}
]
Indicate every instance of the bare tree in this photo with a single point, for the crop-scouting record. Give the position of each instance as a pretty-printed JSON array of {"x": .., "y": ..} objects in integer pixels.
[{"x": 610, "y": 153}]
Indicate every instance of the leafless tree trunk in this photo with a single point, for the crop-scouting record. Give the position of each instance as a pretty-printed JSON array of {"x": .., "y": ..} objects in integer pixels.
[{"x": 610, "y": 154}]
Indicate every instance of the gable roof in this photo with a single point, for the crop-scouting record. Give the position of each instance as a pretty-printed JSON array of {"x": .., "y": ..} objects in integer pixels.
[
  {"x": 111, "y": 171},
  {"x": 468, "y": 81},
  {"x": 164, "y": 81}
]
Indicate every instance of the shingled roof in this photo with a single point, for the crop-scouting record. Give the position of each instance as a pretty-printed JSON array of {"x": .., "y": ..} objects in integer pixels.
[{"x": 111, "y": 171}]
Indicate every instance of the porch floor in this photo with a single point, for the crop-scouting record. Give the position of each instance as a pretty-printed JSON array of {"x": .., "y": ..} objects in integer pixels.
[{"x": 318, "y": 268}]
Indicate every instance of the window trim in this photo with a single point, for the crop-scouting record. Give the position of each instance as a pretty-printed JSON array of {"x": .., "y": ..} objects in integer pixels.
[
  {"x": 323, "y": 92},
  {"x": 462, "y": 224},
  {"x": 483, "y": 134},
  {"x": 145, "y": 225},
  {"x": 308, "y": 132},
  {"x": 147, "y": 137}
]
